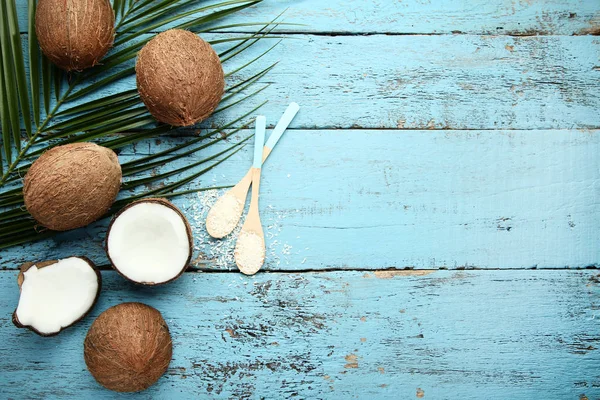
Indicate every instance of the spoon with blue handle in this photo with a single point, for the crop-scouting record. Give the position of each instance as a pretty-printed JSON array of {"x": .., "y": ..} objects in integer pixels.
[
  {"x": 250, "y": 246},
  {"x": 225, "y": 214}
]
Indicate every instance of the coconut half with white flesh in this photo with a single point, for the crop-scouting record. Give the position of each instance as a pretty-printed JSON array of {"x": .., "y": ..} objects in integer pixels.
[
  {"x": 56, "y": 294},
  {"x": 150, "y": 242}
]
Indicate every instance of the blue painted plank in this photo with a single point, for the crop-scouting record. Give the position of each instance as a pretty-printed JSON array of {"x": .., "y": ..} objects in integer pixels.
[
  {"x": 423, "y": 82},
  {"x": 449, "y": 335},
  {"x": 506, "y": 17},
  {"x": 379, "y": 199}
]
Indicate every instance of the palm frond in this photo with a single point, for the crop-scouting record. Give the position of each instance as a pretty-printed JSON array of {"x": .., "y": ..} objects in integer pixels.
[
  {"x": 100, "y": 103},
  {"x": 150, "y": 27},
  {"x": 99, "y": 84},
  {"x": 18, "y": 63},
  {"x": 142, "y": 181},
  {"x": 129, "y": 51},
  {"x": 4, "y": 118},
  {"x": 151, "y": 165},
  {"x": 27, "y": 102},
  {"x": 10, "y": 86},
  {"x": 216, "y": 132},
  {"x": 57, "y": 73},
  {"x": 46, "y": 82},
  {"x": 34, "y": 63}
]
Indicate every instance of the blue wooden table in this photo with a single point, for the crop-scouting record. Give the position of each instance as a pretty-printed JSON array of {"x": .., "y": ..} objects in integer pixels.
[{"x": 432, "y": 217}]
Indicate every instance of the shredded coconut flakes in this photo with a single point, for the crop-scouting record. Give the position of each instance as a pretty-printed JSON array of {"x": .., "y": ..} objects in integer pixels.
[
  {"x": 224, "y": 215},
  {"x": 218, "y": 254},
  {"x": 250, "y": 252}
]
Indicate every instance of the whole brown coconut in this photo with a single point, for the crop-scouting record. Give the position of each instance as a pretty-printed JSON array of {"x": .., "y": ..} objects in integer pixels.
[
  {"x": 128, "y": 347},
  {"x": 179, "y": 77},
  {"x": 71, "y": 186},
  {"x": 75, "y": 34}
]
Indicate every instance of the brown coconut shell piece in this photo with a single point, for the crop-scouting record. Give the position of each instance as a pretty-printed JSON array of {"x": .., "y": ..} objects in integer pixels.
[
  {"x": 188, "y": 228},
  {"x": 128, "y": 347},
  {"x": 75, "y": 34},
  {"x": 71, "y": 186},
  {"x": 21, "y": 278},
  {"x": 179, "y": 77}
]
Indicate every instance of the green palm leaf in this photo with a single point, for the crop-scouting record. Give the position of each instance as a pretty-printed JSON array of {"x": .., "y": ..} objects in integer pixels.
[
  {"x": 34, "y": 64},
  {"x": 10, "y": 86},
  {"x": 26, "y": 101},
  {"x": 46, "y": 78},
  {"x": 18, "y": 63}
]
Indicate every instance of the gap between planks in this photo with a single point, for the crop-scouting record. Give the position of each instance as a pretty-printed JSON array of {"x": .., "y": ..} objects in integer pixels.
[
  {"x": 275, "y": 33},
  {"x": 377, "y": 272},
  {"x": 377, "y": 33}
]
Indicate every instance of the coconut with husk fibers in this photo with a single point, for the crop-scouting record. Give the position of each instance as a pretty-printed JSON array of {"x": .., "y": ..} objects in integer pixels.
[
  {"x": 128, "y": 347},
  {"x": 149, "y": 242},
  {"x": 71, "y": 186},
  {"x": 56, "y": 294},
  {"x": 75, "y": 34},
  {"x": 179, "y": 77}
]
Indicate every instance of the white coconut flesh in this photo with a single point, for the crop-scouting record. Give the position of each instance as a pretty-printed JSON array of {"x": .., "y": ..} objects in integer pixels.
[
  {"x": 149, "y": 243},
  {"x": 56, "y": 296}
]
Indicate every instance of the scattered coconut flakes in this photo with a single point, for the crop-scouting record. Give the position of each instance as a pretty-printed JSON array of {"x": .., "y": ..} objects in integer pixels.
[
  {"x": 215, "y": 253},
  {"x": 273, "y": 221},
  {"x": 219, "y": 253},
  {"x": 250, "y": 252},
  {"x": 224, "y": 216},
  {"x": 287, "y": 249}
]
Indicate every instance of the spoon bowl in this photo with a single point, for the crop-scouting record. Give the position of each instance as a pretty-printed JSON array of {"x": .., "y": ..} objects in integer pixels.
[{"x": 225, "y": 214}]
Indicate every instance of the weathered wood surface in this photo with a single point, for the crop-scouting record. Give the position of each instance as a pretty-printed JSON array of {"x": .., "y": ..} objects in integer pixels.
[
  {"x": 423, "y": 82},
  {"x": 422, "y": 199},
  {"x": 462, "y": 146},
  {"x": 503, "y": 17},
  {"x": 447, "y": 335}
]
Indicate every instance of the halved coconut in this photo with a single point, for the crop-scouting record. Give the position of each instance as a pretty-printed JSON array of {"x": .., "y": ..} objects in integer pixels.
[
  {"x": 149, "y": 242},
  {"x": 56, "y": 294}
]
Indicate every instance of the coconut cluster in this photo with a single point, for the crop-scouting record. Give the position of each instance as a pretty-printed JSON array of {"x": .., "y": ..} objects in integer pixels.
[
  {"x": 75, "y": 34},
  {"x": 128, "y": 347},
  {"x": 179, "y": 77},
  {"x": 181, "y": 81},
  {"x": 72, "y": 186}
]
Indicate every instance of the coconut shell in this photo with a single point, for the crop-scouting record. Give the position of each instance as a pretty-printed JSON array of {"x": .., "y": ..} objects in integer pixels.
[
  {"x": 179, "y": 77},
  {"x": 71, "y": 186},
  {"x": 75, "y": 34},
  {"x": 21, "y": 278},
  {"x": 128, "y": 347},
  {"x": 164, "y": 202}
]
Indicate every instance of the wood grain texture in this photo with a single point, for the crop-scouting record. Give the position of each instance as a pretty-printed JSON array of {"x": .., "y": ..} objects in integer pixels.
[
  {"x": 504, "y": 17},
  {"x": 423, "y": 82},
  {"x": 504, "y": 334},
  {"x": 438, "y": 82},
  {"x": 462, "y": 145},
  {"x": 379, "y": 199}
]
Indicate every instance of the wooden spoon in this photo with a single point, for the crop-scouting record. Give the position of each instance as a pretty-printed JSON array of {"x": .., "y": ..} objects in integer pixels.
[
  {"x": 250, "y": 247},
  {"x": 225, "y": 214}
]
